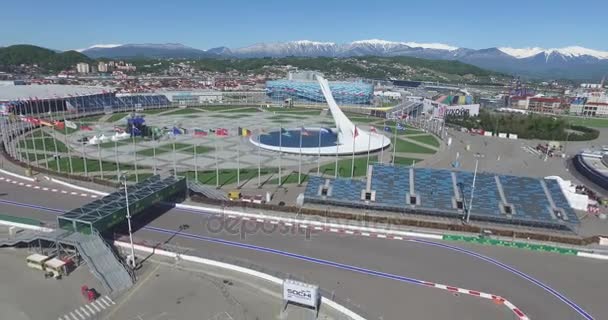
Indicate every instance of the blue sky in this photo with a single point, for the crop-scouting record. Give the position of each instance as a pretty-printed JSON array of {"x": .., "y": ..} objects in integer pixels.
[{"x": 70, "y": 24}]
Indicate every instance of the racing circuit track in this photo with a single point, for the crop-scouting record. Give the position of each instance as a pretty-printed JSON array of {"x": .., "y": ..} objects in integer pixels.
[{"x": 372, "y": 273}]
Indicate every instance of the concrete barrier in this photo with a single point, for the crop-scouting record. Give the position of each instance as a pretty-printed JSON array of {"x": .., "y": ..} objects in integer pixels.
[{"x": 17, "y": 175}]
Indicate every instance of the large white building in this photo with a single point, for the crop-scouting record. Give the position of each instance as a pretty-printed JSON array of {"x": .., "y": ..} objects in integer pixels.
[
  {"x": 83, "y": 67},
  {"x": 590, "y": 105}
]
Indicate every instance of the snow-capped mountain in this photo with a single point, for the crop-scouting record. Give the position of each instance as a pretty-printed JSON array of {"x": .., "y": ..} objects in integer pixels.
[
  {"x": 569, "y": 62},
  {"x": 99, "y": 46}
]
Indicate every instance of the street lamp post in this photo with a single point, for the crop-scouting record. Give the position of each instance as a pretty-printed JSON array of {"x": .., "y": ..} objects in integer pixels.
[
  {"x": 477, "y": 156},
  {"x": 124, "y": 178}
]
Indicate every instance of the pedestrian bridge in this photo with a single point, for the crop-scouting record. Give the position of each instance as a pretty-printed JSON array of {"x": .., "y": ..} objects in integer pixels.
[{"x": 111, "y": 210}]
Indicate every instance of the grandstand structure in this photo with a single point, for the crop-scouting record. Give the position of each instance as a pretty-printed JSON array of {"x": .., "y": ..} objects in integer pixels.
[
  {"x": 594, "y": 166},
  {"x": 348, "y": 93},
  {"x": 497, "y": 198},
  {"x": 100, "y": 102}
]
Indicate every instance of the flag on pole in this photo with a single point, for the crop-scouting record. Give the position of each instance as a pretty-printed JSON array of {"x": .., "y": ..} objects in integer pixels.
[
  {"x": 60, "y": 125},
  {"x": 373, "y": 129},
  {"x": 200, "y": 133},
  {"x": 221, "y": 132},
  {"x": 387, "y": 129},
  {"x": 244, "y": 132},
  {"x": 355, "y": 133},
  {"x": 119, "y": 129},
  {"x": 70, "y": 124},
  {"x": 176, "y": 131},
  {"x": 304, "y": 132}
]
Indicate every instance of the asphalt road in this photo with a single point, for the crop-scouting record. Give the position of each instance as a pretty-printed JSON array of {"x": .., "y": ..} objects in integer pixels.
[{"x": 579, "y": 279}]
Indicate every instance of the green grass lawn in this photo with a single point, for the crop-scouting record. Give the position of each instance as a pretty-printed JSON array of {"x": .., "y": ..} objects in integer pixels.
[
  {"x": 32, "y": 156},
  {"x": 89, "y": 118},
  {"x": 155, "y": 111},
  {"x": 228, "y": 176},
  {"x": 245, "y": 110},
  {"x": 150, "y": 151},
  {"x": 182, "y": 112},
  {"x": 588, "y": 122},
  {"x": 406, "y": 161},
  {"x": 289, "y": 178},
  {"x": 426, "y": 139},
  {"x": 66, "y": 130},
  {"x": 39, "y": 144},
  {"x": 221, "y": 108},
  {"x": 117, "y": 116},
  {"x": 199, "y": 150},
  {"x": 360, "y": 119},
  {"x": 406, "y": 146},
  {"x": 92, "y": 165},
  {"x": 345, "y": 165}
]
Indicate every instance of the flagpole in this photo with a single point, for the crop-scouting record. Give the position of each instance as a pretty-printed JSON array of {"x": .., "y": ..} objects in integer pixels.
[
  {"x": 134, "y": 153},
  {"x": 300, "y": 159},
  {"x": 116, "y": 157},
  {"x": 32, "y": 128},
  {"x": 352, "y": 168},
  {"x": 382, "y": 150},
  {"x": 395, "y": 143},
  {"x": 99, "y": 156},
  {"x": 65, "y": 132},
  {"x": 195, "y": 163},
  {"x": 154, "y": 143},
  {"x": 57, "y": 156},
  {"x": 319, "y": 154},
  {"x": 369, "y": 143},
  {"x": 174, "y": 159},
  {"x": 280, "y": 150},
  {"x": 84, "y": 153},
  {"x": 238, "y": 162},
  {"x": 217, "y": 168},
  {"x": 46, "y": 162},
  {"x": 259, "y": 162},
  {"x": 337, "y": 146}
]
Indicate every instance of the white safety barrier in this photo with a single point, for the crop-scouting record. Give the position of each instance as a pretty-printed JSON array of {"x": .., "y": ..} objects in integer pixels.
[
  {"x": 25, "y": 226},
  {"x": 312, "y": 222},
  {"x": 73, "y": 186},
  {"x": 592, "y": 255},
  {"x": 17, "y": 175},
  {"x": 223, "y": 265}
]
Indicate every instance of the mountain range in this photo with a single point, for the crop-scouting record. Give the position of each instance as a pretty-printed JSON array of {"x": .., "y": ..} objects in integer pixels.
[{"x": 573, "y": 62}]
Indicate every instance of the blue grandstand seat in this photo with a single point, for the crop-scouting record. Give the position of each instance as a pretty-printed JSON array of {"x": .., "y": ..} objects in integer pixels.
[
  {"x": 391, "y": 184},
  {"x": 434, "y": 187},
  {"x": 528, "y": 198},
  {"x": 559, "y": 199},
  {"x": 486, "y": 198}
]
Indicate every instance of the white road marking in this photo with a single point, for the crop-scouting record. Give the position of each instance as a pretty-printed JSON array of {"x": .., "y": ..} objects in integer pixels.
[
  {"x": 333, "y": 230},
  {"x": 73, "y": 316},
  {"x": 397, "y": 238},
  {"x": 93, "y": 196},
  {"x": 318, "y": 228},
  {"x": 54, "y": 190},
  {"x": 246, "y": 218},
  {"x": 365, "y": 234},
  {"x": 21, "y": 183},
  {"x": 99, "y": 304},
  {"x": 101, "y": 300},
  {"x": 28, "y": 185},
  {"x": 303, "y": 226},
  {"x": 45, "y": 189},
  {"x": 63, "y": 191},
  {"x": 381, "y": 235},
  {"x": 288, "y": 224},
  {"x": 259, "y": 220},
  {"x": 108, "y": 300},
  {"x": 36, "y": 187},
  {"x": 96, "y": 307},
  {"x": 274, "y": 222},
  {"x": 90, "y": 309},
  {"x": 85, "y": 311},
  {"x": 348, "y": 231},
  {"x": 73, "y": 193},
  {"x": 79, "y": 314},
  {"x": 84, "y": 195}
]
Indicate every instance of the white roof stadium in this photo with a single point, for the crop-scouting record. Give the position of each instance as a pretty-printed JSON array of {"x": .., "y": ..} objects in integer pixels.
[{"x": 50, "y": 91}]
